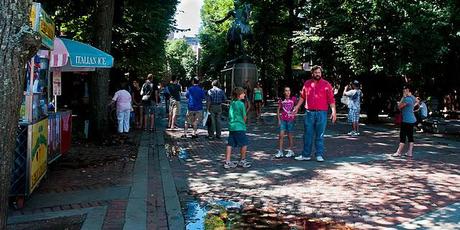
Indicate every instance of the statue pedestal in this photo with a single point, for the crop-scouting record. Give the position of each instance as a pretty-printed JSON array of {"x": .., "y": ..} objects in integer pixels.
[{"x": 237, "y": 73}]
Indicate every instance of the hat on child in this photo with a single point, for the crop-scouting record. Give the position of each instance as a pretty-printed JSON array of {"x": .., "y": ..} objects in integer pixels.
[{"x": 356, "y": 82}]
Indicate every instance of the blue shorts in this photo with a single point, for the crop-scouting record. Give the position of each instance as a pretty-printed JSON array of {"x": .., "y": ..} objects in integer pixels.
[
  {"x": 237, "y": 139},
  {"x": 353, "y": 115},
  {"x": 287, "y": 126}
]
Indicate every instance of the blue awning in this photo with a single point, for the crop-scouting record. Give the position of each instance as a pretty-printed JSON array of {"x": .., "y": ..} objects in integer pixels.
[{"x": 81, "y": 55}]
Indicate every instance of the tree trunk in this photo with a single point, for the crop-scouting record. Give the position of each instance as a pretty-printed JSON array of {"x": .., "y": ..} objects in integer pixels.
[
  {"x": 100, "y": 80},
  {"x": 289, "y": 52},
  {"x": 375, "y": 104},
  {"x": 287, "y": 60},
  {"x": 18, "y": 43}
]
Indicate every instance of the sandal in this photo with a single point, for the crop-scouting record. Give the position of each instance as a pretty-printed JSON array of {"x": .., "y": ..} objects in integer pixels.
[{"x": 396, "y": 155}]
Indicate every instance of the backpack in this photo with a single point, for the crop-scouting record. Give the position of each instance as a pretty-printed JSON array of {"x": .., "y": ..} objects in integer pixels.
[{"x": 146, "y": 91}]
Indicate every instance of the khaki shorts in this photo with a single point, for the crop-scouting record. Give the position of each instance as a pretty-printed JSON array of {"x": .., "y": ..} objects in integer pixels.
[
  {"x": 174, "y": 107},
  {"x": 193, "y": 116}
]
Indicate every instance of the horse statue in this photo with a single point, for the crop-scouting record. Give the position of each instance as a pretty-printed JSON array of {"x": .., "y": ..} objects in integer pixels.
[{"x": 240, "y": 29}]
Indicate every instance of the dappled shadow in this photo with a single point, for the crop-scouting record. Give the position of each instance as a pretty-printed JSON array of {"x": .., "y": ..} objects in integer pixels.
[
  {"x": 358, "y": 184},
  {"x": 445, "y": 218}
]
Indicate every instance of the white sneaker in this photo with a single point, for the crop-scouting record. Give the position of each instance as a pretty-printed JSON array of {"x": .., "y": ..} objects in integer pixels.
[
  {"x": 279, "y": 154},
  {"x": 319, "y": 159},
  {"x": 244, "y": 163},
  {"x": 289, "y": 153},
  {"x": 302, "y": 158},
  {"x": 351, "y": 133},
  {"x": 230, "y": 164},
  {"x": 355, "y": 134}
]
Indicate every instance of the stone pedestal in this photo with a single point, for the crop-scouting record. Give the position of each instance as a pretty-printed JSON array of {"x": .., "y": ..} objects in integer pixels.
[{"x": 237, "y": 74}]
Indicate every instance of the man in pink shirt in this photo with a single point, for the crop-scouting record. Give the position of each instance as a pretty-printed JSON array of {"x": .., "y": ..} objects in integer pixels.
[{"x": 318, "y": 95}]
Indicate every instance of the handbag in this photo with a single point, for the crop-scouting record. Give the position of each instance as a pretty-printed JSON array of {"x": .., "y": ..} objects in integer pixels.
[
  {"x": 146, "y": 91},
  {"x": 344, "y": 100},
  {"x": 205, "y": 118},
  {"x": 398, "y": 118},
  {"x": 145, "y": 97}
]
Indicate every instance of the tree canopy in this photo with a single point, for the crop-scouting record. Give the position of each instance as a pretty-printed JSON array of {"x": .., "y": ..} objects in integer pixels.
[
  {"x": 181, "y": 59},
  {"x": 212, "y": 37},
  {"x": 139, "y": 32},
  {"x": 416, "y": 41}
]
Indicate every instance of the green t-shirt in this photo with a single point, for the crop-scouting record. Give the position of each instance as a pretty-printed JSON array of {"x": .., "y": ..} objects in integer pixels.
[
  {"x": 258, "y": 94},
  {"x": 236, "y": 115}
]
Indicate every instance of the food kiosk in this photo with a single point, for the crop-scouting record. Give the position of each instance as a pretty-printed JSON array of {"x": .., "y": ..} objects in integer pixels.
[
  {"x": 30, "y": 157},
  {"x": 44, "y": 131}
]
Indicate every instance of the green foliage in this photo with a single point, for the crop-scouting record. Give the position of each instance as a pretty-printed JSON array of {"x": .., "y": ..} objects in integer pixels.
[
  {"x": 181, "y": 60},
  {"x": 139, "y": 36},
  {"x": 417, "y": 38},
  {"x": 72, "y": 18},
  {"x": 273, "y": 23},
  {"x": 270, "y": 38},
  {"x": 213, "y": 37},
  {"x": 388, "y": 37},
  {"x": 139, "y": 31},
  {"x": 214, "y": 223}
]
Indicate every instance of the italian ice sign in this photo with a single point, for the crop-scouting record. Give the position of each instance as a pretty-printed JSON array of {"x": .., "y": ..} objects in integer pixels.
[
  {"x": 38, "y": 152},
  {"x": 73, "y": 55}
]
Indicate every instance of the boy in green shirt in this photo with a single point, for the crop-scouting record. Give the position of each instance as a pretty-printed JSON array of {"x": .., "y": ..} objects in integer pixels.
[{"x": 237, "y": 127}]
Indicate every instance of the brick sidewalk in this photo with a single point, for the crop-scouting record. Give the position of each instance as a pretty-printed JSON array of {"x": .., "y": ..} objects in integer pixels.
[
  {"x": 89, "y": 181},
  {"x": 358, "y": 184},
  {"x": 118, "y": 188}
]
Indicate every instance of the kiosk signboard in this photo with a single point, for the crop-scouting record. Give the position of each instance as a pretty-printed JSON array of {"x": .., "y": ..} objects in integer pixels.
[
  {"x": 43, "y": 24},
  {"x": 38, "y": 152}
]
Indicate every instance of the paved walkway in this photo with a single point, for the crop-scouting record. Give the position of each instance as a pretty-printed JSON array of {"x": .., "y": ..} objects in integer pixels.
[
  {"x": 138, "y": 196},
  {"x": 359, "y": 184}
]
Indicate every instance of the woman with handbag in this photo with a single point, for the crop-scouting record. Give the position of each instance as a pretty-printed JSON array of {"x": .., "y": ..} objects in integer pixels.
[
  {"x": 122, "y": 98},
  {"x": 149, "y": 93}
]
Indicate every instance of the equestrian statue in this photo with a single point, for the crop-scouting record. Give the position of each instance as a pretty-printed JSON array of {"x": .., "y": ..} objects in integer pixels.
[{"x": 240, "y": 29}]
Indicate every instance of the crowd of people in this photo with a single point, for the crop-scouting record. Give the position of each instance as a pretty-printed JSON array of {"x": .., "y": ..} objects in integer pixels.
[{"x": 316, "y": 98}]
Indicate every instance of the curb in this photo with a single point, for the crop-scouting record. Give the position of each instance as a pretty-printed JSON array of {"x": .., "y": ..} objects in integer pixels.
[
  {"x": 171, "y": 198},
  {"x": 136, "y": 210},
  {"x": 94, "y": 219}
]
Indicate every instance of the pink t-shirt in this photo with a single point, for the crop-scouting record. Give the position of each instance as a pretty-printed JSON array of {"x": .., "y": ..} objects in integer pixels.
[
  {"x": 123, "y": 99},
  {"x": 287, "y": 106},
  {"x": 317, "y": 95}
]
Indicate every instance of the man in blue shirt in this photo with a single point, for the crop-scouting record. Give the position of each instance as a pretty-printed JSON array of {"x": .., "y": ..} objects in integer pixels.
[
  {"x": 195, "y": 96},
  {"x": 216, "y": 97}
]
